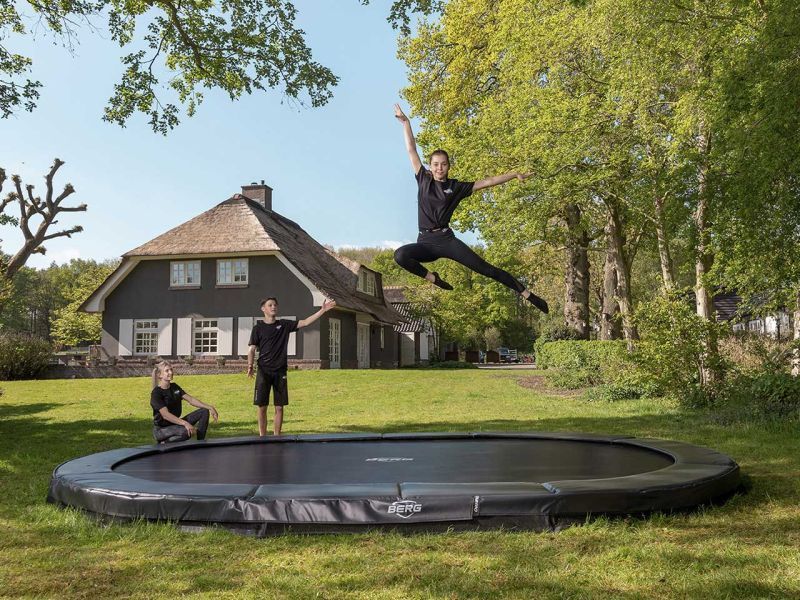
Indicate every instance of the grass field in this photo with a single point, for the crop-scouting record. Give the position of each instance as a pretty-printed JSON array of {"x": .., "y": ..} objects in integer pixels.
[{"x": 748, "y": 548}]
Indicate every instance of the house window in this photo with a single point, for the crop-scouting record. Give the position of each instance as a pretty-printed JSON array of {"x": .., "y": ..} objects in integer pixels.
[
  {"x": 366, "y": 282},
  {"x": 205, "y": 336},
  {"x": 186, "y": 273},
  {"x": 756, "y": 325},
  {"x": 382, "y": 328},
  {"x": 334, "y": 343},
  {"x": 232, "y": 271},
  {"x": 145, "y": 337}
]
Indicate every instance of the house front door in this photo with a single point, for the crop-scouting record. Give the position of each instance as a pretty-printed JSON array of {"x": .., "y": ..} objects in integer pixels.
[
  {"x": 363, "y": 345},
  {"x": 335, "y": 343}
]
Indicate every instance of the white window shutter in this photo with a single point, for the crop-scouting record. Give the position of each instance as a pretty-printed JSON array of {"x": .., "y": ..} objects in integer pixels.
[
  {"x": 125, "y": 337},
  {"x": 165, "y": 337},
  {"x": 243, "y": 331},
  {"x": 225, "y": 336},
  {"x": 291, "y": 349},
  {"x": 184, "y": 337}
]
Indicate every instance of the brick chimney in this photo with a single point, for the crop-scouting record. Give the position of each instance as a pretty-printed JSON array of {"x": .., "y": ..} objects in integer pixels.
[{"x": 261, "y": 193}]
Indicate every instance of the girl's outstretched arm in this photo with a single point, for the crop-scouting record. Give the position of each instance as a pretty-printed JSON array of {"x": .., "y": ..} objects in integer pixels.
[
  {"x": 411, "y": 144},
  {"x": 498, "y": 179}
]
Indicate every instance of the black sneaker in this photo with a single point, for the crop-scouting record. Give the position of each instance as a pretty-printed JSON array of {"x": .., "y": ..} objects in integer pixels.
[
  {"x": 538, "y": 303},
  {"x": 439, "y": 282}
]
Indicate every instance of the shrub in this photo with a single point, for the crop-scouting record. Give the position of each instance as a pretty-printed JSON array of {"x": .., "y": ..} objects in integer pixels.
[
  {"x": 673, "y": 343},
  {"x": 22, "y": 356},
  {"x": 751, "y": 353},
  {"x": 580, "y": 363},
  {"x": 760, "y": 396},
  {"x": 452, "y": 364}
]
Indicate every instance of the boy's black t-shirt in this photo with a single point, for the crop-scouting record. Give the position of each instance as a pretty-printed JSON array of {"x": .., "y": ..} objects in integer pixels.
[
  {"x": 437, "y": 200},
  {"x": 272, "y": 340},
  {"x": 170, "y": 397}
]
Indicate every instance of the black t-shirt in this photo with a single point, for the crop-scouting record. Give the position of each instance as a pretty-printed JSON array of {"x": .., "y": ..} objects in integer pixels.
[
  {"x": 171, "y": 398},
  {"x": 272, "y": 340},
  {"x": 437, "y": 200}
]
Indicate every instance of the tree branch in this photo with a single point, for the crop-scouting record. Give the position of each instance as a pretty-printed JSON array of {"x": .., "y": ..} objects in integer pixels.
[
  {"x": 31, "y": 205},
  {"x": 67, "y": 233}
]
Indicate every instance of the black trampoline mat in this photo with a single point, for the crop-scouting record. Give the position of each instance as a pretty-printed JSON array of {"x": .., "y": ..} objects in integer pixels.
[{"x": 388, "y": 461}]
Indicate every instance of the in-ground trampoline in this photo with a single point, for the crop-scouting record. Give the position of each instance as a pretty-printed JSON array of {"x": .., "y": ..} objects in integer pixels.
[{"x": 431, "y": 481}]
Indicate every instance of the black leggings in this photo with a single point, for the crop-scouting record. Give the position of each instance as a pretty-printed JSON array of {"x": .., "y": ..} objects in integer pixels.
[
  {"x": 178, "y": 433},
  {"x": 433, "y": 245}
]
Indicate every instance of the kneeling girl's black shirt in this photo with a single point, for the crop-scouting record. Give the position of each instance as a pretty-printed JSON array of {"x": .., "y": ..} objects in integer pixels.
[
  {"x": 272, "y": 340},
  {"x": 438, "y": 200},
  {"x": 171, "y": 398}
]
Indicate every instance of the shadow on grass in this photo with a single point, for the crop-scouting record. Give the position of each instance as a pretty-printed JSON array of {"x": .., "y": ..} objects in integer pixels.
[{"x": 10, "y": 411}]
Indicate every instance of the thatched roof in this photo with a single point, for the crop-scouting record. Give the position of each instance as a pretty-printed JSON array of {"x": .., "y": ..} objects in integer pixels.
[{"x": 231, "y": 226}]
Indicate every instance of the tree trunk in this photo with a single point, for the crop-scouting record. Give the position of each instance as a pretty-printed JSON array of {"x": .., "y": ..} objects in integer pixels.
[
  {"x": 609, "y": 323},
  {"x": 616, "y": 248},
  {"x": 796, "y": 336},
  {"x": 704, "y": 259},
  {"x": 665, "y": 257},
  {"x": 576, "y": 279}
]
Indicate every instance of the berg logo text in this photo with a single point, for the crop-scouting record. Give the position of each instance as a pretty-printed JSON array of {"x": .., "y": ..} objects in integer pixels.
[{"x": 404, "y": 508}]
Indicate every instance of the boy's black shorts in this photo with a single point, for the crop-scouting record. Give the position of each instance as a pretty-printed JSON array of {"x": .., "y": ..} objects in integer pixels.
[{"x": 274, "y": 380}]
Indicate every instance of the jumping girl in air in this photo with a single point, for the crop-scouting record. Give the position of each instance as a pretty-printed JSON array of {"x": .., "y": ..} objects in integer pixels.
[
  {"x": 437, "y": 199},
  {"x": 166, "y": 400}
]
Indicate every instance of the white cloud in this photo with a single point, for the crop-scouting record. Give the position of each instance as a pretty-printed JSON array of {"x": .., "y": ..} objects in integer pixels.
[{"x": 392, "y": 244}]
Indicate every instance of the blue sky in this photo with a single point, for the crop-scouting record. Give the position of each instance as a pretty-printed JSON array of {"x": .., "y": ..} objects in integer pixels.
[{"x": 340, "y": 171}]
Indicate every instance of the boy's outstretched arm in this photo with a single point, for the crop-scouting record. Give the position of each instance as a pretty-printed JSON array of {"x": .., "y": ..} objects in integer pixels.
[{"x": 326, "y": 306}]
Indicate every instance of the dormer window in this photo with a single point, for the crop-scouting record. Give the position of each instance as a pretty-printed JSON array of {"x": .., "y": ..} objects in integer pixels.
[{"x": 366, "y": 282}]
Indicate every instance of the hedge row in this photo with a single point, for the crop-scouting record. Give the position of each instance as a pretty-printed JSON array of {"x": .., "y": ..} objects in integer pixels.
[
  {"x": 579, "y": 363},
  {"x": 578, "y": 354}
]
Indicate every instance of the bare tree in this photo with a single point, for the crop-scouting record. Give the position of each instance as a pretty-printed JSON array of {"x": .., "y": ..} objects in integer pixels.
[{"x": 31, "y": 209}]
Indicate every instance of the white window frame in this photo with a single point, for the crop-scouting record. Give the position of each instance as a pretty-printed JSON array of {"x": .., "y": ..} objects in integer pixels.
[
  {"x": 205, "y": 326},
  {"x": 180, "y": 276},
  {"x": 233, "y": 271},
  {"x": 335, "y": 350},
  {"x": 366, "y": 282},
  {"x": 149, "y": 328}
]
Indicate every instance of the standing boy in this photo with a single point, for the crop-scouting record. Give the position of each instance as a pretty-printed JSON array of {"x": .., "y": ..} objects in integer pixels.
[{"x": 271, "y": 336}]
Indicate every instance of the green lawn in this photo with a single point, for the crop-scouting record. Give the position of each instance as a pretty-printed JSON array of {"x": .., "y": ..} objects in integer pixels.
[{"x": 748, "y": 548}]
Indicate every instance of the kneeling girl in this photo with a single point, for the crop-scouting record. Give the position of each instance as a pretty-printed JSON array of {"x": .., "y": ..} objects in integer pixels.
[{"x": 166, "y": 401}]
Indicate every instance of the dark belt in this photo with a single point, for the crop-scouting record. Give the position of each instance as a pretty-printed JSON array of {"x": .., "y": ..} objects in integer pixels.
[{"x": 423, "y": 230}]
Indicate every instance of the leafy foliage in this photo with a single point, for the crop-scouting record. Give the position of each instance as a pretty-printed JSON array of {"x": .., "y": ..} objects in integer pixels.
[
  {"x": 71, "y": 327},
  {"x": 672, "y": 348},
  {"x": 579, "y": 363},
  {"x": 176, "y": 50},
  {"x": 22, "y": 356}
]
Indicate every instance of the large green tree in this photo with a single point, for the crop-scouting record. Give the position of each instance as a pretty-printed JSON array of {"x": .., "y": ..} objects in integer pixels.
[
  {"x": 70, "y": 326},
  {"x": 174, "y": 50},
  {"x": 674, "y": 122}
]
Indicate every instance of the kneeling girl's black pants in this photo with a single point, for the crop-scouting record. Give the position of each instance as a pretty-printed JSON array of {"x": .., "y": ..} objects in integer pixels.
[
  {"x": 432, "y": 245},
  {"x": 178, "y": 433}
]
